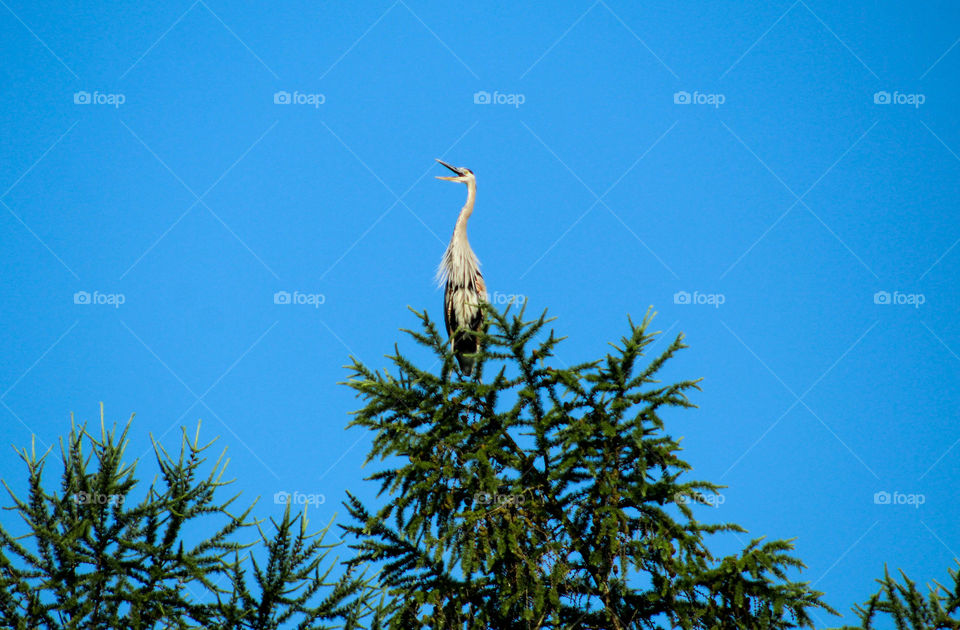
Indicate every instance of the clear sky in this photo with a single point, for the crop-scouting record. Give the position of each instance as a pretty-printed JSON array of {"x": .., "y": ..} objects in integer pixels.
[{"x": 145, "y": 160}]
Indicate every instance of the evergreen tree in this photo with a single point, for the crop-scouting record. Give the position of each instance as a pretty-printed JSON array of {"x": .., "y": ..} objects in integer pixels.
[
  {"x": 906, "y": 606},
  {"x": 541, "y": 497},
  {"x": 92, "y": 557}
]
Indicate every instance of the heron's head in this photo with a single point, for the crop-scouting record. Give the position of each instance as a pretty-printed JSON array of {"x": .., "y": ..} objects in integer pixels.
[{"x": 464, "y": 175}]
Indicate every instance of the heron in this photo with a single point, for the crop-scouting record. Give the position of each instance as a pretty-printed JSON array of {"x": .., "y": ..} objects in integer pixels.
[{"x": 460, "y": 271}]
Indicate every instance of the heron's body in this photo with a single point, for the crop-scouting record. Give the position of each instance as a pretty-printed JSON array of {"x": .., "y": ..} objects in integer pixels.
[{"x": 460, "y": 272}]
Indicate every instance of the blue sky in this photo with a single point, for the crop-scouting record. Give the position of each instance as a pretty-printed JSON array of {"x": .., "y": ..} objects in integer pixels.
[{"x": 144, "y": 160}]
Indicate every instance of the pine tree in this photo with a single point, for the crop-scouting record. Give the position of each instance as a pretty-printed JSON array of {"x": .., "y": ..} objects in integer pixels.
[
  {"x": 906, "y": 606},
  {"x": 548, "y": 497},
  {"x": 93, "y": 557}
]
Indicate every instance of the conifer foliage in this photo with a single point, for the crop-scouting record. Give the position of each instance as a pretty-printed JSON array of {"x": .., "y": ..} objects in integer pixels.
[
  {"x": 531, "y": 495},
  {"x": 906, "y": 607},
  {"x": 536, "y": 495},
  {"x": 94, "y": 555}
]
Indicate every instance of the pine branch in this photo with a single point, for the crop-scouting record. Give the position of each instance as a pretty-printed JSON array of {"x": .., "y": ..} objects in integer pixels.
[
  {"x": 548, "y": 496},
  {"x": 92, "y": 557}
]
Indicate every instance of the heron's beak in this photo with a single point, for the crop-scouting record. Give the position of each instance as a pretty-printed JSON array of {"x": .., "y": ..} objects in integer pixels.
[{"x": 454, "y": 169}]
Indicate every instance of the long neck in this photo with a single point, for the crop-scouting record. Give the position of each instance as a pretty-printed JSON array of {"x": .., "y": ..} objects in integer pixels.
[
  {"x": 460, "y": 230},
  {"x": 460, "y": 264}
]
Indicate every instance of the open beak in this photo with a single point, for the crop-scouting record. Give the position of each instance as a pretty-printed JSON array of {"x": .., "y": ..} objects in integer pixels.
[{"x": 452, "y": 168}]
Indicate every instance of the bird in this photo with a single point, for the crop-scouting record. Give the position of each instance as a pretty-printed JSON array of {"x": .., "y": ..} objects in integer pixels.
[{"x": 465, "y": 289}]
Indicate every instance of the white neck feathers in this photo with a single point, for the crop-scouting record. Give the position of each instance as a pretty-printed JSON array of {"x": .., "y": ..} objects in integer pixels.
[{"x": 460, "y": 265}]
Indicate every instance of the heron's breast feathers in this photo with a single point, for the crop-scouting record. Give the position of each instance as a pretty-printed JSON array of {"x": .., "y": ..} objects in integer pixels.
[
  {"x": 465, "y": 289},
  {"x": 459, "y": 265}
]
